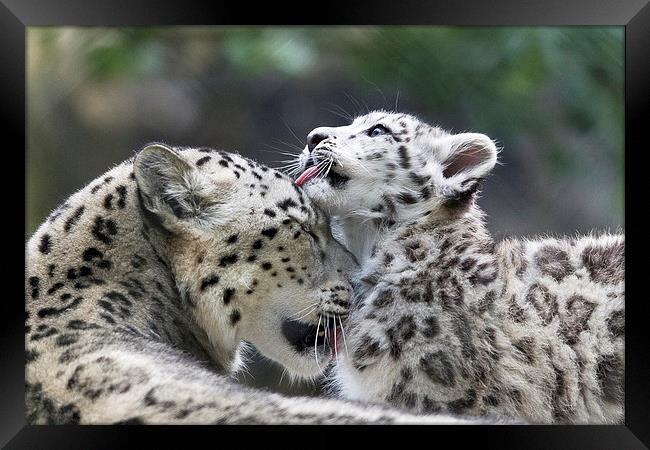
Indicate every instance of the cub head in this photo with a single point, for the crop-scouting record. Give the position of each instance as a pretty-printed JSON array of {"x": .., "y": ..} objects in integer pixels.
[
  {"x": 390, "y": 166},
  {"x": 252, "y": 257}
]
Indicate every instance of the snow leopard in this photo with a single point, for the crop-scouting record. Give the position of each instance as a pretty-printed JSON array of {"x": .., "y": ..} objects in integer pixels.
[{"x": 445, "y": 318}]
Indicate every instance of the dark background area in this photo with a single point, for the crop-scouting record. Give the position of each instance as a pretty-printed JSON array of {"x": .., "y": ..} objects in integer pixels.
[{"x": 552, "y": 98}]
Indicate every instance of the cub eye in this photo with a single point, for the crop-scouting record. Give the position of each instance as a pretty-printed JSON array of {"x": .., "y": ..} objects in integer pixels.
[{"x": 377, "y": 130}]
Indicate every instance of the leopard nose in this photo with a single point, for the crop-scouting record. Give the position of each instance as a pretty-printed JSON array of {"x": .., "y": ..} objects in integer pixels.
[{"x": 316, "y": 137}]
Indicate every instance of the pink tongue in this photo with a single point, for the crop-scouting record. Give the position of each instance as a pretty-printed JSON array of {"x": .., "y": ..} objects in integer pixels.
[{"x": 306, "y": 176}]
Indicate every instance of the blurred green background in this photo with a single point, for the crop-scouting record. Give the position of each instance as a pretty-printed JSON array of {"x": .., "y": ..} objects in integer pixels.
[{"x": 552, "y": 98}]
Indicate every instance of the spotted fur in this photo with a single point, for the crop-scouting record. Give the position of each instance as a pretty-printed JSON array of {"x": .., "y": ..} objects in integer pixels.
[
  {"x": 446, "y": 319},
  {"x": 142, "y": 287}
]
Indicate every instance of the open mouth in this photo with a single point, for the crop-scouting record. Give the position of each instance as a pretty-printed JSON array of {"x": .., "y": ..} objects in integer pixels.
[
  {"x": 306, "y": 337},
  {"x": 312, "y": 171},
  {"x": 307, "y": 175}
]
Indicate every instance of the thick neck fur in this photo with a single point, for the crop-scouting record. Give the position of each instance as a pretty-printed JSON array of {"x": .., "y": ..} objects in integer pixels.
[
  {"x": 359, "y": 235},
  {"x": 459, "y": 244},
  {"x": 178, "y": 254},
  {"x": 159, "y": 247},
  {"x": 363, "y": 235}
]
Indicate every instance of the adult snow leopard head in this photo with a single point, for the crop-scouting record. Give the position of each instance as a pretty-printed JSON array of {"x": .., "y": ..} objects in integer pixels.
[{"x": 252, "y": 256}]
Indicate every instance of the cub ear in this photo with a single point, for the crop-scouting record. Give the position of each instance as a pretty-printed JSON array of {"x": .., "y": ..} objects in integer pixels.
[
  {"x": 469, "y": 155},
  {"x": 466, "y": 159},
  {"x": 172, "y": 192}
]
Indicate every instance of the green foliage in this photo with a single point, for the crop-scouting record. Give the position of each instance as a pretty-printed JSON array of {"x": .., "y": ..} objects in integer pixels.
[
  {"x": 554, "y": 89},
  {"x": 131, "y": 53}
]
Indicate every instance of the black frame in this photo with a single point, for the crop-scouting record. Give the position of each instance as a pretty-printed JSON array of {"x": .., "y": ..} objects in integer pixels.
[{"x": 634, "y": 15}]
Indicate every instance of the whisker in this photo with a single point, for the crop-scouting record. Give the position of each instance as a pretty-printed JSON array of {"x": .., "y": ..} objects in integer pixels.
[
  {"x": 290, "y": 145},
  {"x": 377, "y": 88},
  {"x": 336, "y": 353},
  {"x": 292, "y": 160},
  {"x": 279, "y": 151},
  {"x": 355, "y": 161},
  {"x": 316, "y": 344},
  {"x": 336, "y": 113},
  {"x": 329, "y": 166},
  {"x": 330, "y": 154},
  {"x": 295, "y": 171},
  {"x": 288, "y": 166},
  {"x": 343, "y": 110},
  {"x": 307, "y": 307},
  {"x": 295, "y": 160},
  {"x": 350, "y": 116},
  {"x": 325, "y": 170},
  {"x": 355, "y": 104},
  {"x": 321, "y": 167},
  {"x": 292, "y": 166},
  {"x": 293, "y": 133},
  {"x": 342, "y": 113},
  {"x": 366, "y": 106},
  {"x": 288, "y": 169},
  {"x": 303, "y": 315},
  {"x": 292, "y": 173},
  {"x": 327, "y": 326},
  {"x": 345, "y": 344}
]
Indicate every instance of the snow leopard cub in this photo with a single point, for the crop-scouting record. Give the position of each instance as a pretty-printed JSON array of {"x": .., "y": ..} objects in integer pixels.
[{"x": 445, "y": 318}]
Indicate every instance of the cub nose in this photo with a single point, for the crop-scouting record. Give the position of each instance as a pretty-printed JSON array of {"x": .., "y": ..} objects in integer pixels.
[{"x": 316, "y": 137}]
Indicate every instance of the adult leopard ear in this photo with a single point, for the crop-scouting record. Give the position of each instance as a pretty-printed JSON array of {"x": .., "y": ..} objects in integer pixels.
[
  {"x": 174, "y": 194},
  {"x": 466, "y": 159}
]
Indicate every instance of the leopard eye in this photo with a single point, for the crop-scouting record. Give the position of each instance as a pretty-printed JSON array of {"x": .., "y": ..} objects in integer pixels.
[{"x": 377, "y": 130}]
